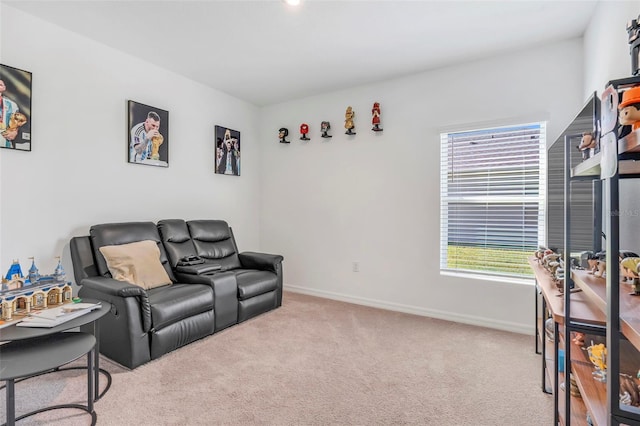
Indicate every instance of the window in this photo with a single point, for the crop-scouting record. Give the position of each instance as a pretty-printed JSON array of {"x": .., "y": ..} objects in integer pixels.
[{"x": 492, "y": 191}]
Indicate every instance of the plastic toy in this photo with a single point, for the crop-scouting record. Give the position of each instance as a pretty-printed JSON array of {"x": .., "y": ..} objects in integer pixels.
[
  {"x": 629, "y": 110},
  {"x": 325, "y": 126},
  {"x": 348, "y": 121},
  {"x": 304, "y": 129},
  {"x": 283, "y": 132},
  {"x": 375, "y": 120},
  {"x": 587, "y": 145}
]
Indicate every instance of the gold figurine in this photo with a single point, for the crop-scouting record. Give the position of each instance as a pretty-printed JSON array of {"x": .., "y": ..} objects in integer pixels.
[{"x": 348, "y": 121}]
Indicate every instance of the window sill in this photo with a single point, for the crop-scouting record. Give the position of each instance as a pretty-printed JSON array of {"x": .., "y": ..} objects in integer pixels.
[{"x": 510, "y": 280}]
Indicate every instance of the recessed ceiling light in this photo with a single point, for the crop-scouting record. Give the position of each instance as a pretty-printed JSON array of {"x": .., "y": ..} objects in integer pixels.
[{"x": 292, "y": 2}]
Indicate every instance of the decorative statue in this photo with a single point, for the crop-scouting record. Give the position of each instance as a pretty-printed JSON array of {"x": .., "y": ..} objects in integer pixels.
[
  {"x": 375, "y": 120},
  {"x": 156, "y": 141},
  {"x": 629, "y": 111},
  {"x": 283, "y": 132},
  {"x": 304, "y": 129},
  {"x": 348, "y": 121},
  {"x": 325, "y": 126}
]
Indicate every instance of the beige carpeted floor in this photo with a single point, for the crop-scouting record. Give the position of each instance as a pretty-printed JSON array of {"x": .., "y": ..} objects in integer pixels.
[{"x": 317, "y": 362}]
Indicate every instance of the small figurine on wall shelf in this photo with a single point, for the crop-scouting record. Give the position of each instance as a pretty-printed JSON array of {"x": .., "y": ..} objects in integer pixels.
[
  {"x": 283, "y": 132},
  {"x": 304, "y": 130},
  {"x": 325, "y": 126},
  {"x": 348, "y": 121},
  {"x": 629, "y": 111},
  {"x": 375, "y": 120}
]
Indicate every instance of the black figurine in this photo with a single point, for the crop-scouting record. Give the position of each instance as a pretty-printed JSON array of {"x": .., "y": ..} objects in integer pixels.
[
  {"x": 325, "y": 126},
  {"x": 282, "y": 134}
]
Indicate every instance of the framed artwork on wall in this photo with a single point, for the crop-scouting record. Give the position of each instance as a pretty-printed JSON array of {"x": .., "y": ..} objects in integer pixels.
[
  {"x": 15, "y": 108},
  {"x": 227, "y": 151},
  {"x": 147, "y": 135}
]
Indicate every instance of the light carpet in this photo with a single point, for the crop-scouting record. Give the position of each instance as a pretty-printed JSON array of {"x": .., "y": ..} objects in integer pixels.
[{"x": 316, "y": 361}]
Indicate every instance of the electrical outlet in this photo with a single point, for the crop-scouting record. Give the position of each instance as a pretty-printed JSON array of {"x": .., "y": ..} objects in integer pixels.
[{"x": 356, "y": 267}]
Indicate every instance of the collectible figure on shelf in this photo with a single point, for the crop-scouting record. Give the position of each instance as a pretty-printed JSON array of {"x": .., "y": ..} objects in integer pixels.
[
  {"x": 283, "y": 132},
  {"x": 587, "y": 146},
  {"x": 348, "y": 121},
  {"x": 629, "y": 273},
  {"x": 375, "y": 120},
  {"x": 598, "y": 357},
  {"x": 304, "y": 130},
  {"x": 629, "y": 111},
  {"x": 325, "y": 126}
]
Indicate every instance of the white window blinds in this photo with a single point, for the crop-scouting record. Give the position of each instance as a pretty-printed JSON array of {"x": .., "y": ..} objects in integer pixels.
[{"x": 492, "y": 192}]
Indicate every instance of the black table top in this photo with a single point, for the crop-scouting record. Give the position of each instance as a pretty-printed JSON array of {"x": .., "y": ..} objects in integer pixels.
[
  {"x": 23, "y": 358},
  {"x": 13, "y": 332}
]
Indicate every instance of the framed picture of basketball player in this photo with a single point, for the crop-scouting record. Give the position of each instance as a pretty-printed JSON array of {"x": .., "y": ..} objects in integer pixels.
[
  {"x": 147, "y": 135},
  {"x": 15, "y": 108},
  {"x": 227, "y": 151}
]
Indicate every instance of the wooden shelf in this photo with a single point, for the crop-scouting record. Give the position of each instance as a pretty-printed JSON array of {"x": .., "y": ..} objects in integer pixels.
[
  {"x": 582, "y": 309},
  {"x": 596, "y": 289}
]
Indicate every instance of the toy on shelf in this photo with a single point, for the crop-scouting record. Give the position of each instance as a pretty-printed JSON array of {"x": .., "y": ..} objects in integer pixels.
[
  {"x": 325, "y": 126},
  {"x": 283, "y": 132},
  {"x": 348, "y": 121},
  {"x": 629, "y": 111},
  {"x": 598, "y": 357},
  {"x": 375, "y": 120},
  {"x": 304, "y": 130},
  {"x": 587, "y": 146}
]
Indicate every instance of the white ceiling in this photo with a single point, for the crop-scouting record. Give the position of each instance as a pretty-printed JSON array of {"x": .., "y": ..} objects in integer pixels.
[{"x": 267, "y": 52}]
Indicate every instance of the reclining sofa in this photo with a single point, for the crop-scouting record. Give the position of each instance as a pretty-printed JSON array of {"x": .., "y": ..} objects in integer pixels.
[{"x": 195, "y": 299}]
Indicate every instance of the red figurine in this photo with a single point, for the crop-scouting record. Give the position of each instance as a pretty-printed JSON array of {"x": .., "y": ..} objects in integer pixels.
[
  {"x": 376, "y": 117},
  {"x": 304, "y": 129}
]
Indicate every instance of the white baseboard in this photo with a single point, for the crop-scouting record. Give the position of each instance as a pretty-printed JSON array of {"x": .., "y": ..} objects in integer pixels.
[{"x": 416, "y": 310}]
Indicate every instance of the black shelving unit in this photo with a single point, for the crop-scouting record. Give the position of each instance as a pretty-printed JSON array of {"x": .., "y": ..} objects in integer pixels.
[{"x": 618, "y": 159}]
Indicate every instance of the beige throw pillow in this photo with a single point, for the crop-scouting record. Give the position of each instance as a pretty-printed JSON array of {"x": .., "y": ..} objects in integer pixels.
[{"x": 136, "y": 263}]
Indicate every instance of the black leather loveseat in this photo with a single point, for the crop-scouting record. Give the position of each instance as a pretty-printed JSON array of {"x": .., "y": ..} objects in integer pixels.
[{"x": 194, "y": 301}]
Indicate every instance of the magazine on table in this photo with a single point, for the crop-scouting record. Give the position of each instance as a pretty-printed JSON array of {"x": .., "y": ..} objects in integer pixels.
[{"x": 55, "y": 316}]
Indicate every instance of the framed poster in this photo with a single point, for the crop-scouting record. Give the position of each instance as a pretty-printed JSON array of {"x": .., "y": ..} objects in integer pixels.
[
  {"x": 15, "y": 108},
  {"x": 147, "y": 135},
  {"x": 227, "y": 151}
]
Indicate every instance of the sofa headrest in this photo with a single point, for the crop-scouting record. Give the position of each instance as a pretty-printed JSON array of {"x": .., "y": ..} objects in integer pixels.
[{"x": 209, "y": 230}]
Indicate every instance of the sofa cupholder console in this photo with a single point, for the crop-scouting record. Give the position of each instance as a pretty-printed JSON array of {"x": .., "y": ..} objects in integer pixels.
[{"x": 201, "y": 285}]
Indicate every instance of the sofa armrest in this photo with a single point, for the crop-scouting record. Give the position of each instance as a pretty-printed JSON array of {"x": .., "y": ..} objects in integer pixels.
[
  {"x": 200, "y": 269},
  {"x": 107, "y": 289},
  {"x": 260, "y": 261}
]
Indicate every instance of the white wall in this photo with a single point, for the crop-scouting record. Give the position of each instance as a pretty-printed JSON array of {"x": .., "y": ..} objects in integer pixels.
[
  {"x": 77, "y": 172},
  {"x": 606, "y": 48},
  {"x": 374, "y": 198},
  {"x": 607, "y": 57}
]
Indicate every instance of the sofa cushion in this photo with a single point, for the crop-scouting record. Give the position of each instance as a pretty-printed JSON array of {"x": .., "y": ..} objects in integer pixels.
[
  {"x": 174, "y": 303},
  {"x": 214, "y": 240},
  {"x": 136, "y": 263},
  {"x": 253, "y": 283},
  {"x": 108, "y": 234}
]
